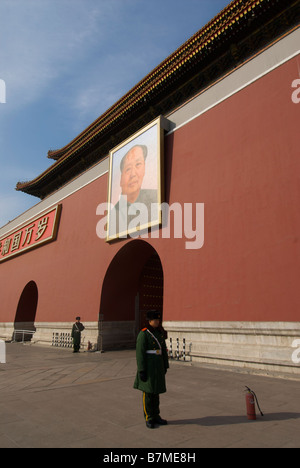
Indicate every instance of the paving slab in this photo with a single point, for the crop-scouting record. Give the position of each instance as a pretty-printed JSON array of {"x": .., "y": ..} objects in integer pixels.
[{"x": 52, "y": 398}]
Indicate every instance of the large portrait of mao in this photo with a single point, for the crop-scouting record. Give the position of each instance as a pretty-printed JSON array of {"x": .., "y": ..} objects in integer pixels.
[{"x": 135, "y": 186}]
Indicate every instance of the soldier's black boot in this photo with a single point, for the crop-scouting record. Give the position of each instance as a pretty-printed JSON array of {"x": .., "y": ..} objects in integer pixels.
[
  {"x": 150, "y": 424},
  {"x": 160, "y": 421}
]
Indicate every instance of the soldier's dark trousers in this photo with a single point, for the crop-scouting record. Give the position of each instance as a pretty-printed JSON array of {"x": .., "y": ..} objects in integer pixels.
[
  {"x": 150, "y": 406},
  {"x": 76, "y": 347}
]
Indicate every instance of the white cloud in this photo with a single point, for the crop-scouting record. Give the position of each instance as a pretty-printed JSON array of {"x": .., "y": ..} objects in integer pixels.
[
  {"x": 83, "y": 54},
  {"x": 65, "y": 62},
  {"x": 105, "y": 82},
  {"x": 40, "y": 41}
]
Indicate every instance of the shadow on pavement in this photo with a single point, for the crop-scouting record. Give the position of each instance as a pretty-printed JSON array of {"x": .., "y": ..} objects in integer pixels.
[{"x": 230, "y": 420}]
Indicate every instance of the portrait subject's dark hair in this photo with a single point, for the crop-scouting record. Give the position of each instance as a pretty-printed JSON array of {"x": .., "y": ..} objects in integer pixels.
[{"x": 143, "y": 148}]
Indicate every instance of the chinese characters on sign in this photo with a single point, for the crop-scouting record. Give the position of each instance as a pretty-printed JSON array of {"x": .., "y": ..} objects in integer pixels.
[{"x": 37, "y": 232}]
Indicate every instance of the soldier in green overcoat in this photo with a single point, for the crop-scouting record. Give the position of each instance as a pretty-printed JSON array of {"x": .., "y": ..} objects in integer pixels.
[
  {"x": 152, "y": 365},
  {"x": 76, "y": 334}
]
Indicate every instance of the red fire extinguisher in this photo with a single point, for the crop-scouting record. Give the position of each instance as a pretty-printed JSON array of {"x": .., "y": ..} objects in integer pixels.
[{"x": 250, "y": 404}]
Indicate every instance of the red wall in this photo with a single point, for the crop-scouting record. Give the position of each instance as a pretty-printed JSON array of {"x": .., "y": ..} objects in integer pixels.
[
  {"x": 68, "y": 272},
  {"x": 241, "y": 159}
]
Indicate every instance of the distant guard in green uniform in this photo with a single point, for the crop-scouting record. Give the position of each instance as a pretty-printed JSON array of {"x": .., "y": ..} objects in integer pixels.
[
  {"x": 152, "y": 365},
  {"x": 76, "y": 334}
]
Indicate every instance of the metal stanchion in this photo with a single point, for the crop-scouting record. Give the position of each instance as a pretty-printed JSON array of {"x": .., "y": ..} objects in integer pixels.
[
  {"x": 177, "y": 354},
  {"x": 171, "y": 349}
]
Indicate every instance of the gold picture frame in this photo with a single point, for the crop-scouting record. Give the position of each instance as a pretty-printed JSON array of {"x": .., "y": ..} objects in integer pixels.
[{"x": 135, "y": 187}]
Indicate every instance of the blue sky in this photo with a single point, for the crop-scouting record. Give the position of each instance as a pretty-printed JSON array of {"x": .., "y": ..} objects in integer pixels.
[{"x": 65, "y": 62}]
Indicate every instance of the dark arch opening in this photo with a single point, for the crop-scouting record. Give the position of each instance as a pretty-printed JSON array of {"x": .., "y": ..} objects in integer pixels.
[
  {"x": 133, "y": 284},
  {"x": 26, "y": 312}
]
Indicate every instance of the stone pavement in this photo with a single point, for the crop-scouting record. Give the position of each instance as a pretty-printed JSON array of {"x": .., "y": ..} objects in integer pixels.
[{"x": 52, "y": 398}]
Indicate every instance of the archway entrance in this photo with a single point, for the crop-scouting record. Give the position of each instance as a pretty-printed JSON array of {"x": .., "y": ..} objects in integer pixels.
[
  {"x": 150, "y": 293},
  {"x": 132, "y": 285},
  {"x": 26, "y": 311}
]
